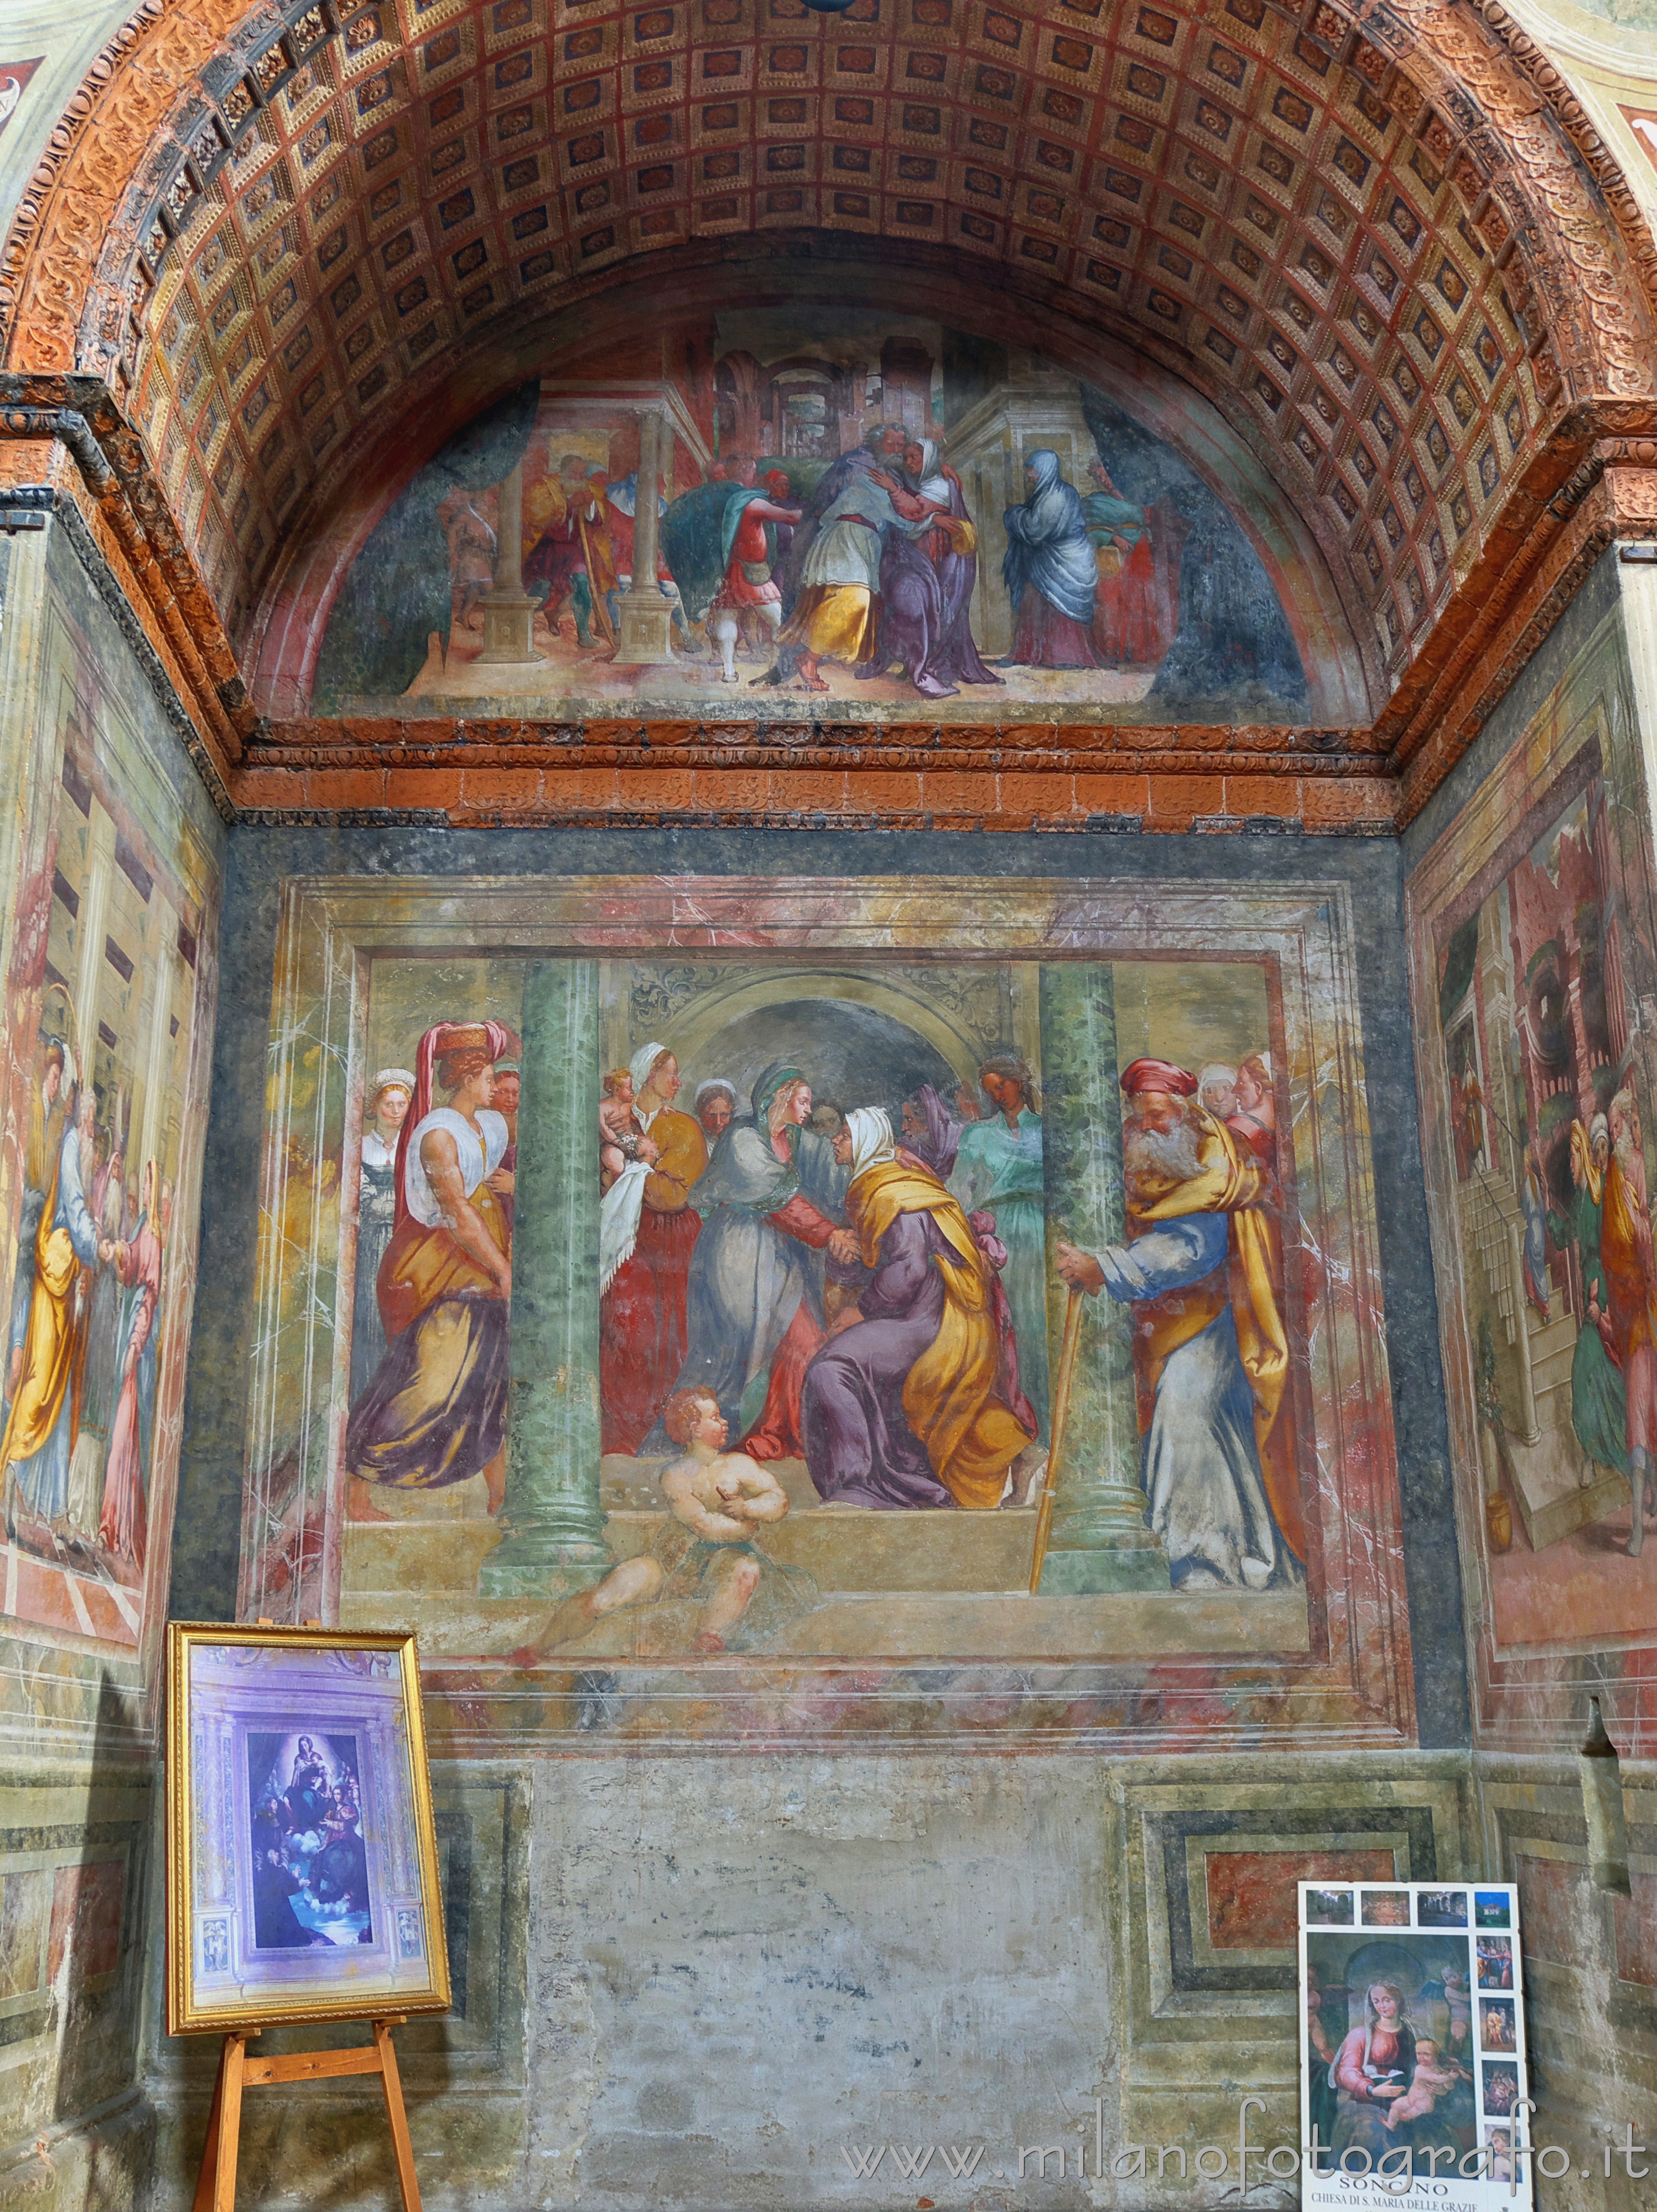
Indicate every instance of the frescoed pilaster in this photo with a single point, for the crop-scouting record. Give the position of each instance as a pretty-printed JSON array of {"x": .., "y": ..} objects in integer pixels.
[
  {"x": 1100, "y": 1540},
  {"x": 554, "y": 1523}
]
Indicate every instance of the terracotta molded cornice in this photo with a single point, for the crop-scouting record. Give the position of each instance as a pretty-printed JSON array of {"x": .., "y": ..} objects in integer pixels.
[{"x": 116, "y": 487}]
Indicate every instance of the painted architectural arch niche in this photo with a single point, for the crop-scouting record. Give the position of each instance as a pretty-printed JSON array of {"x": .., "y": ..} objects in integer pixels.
[
  {"x": 858, "y": 513},
  {"x": 738, "y": 1334}
]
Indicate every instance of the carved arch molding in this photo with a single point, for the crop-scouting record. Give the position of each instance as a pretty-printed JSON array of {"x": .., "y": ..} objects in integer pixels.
[{"x": 294, "y": 243}]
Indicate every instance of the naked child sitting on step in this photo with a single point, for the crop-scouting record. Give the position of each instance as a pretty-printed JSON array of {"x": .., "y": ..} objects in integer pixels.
[
  {"x": 704, "y": 1552},
  {"x": 718, "y": 1497}
]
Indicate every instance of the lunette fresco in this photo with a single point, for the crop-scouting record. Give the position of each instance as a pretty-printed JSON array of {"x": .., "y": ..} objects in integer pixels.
[{"x": 874, "y": 513}]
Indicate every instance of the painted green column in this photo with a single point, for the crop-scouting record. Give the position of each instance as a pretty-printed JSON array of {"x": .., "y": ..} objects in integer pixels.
[
  {"x": 554, "y": 1542},
  {"x": 1100, "y": 1540}
]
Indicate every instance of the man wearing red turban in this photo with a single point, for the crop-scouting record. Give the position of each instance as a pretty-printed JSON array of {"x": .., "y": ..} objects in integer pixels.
[{"x": 1210, "y": 1358}]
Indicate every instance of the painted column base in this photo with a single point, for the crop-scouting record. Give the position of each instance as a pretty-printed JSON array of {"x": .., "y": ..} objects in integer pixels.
[
  {"x": 508, "y": 628},
  {"x": 539, "y": 1563},
  {"x": 1093, "y": 1574},
  {"x": 646, "y": 630}
]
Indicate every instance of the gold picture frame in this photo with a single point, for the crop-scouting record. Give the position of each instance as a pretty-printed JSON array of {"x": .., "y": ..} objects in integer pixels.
[{"x": 302, "y": 1880}]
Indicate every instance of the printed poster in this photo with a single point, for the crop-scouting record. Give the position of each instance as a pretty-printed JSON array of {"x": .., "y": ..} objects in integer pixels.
[{"x": 1412, "y": 2061}]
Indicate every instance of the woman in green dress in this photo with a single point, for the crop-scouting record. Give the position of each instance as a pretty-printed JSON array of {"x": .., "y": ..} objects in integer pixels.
[
  {"x": 998, "y": 1170},
  {"x": 1599, "y": 1406}
]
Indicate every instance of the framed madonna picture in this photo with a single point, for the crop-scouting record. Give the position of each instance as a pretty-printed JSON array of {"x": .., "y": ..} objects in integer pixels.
[{"x": 302, "y": 1857}]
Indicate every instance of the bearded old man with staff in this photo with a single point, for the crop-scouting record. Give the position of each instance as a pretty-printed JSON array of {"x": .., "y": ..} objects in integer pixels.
[{"x": 1211, "y": 1353}]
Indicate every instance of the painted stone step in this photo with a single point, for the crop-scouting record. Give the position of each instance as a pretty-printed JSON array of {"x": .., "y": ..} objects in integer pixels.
[
  {"x": 1553, "y": 1373},
  {"x": 1553, "y": 1501},
  {"x": 844, "y": 1548},
  {"x": 961, "y": 1625}
]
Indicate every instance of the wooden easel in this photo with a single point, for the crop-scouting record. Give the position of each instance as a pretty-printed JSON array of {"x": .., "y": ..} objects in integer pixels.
[{"x": 216, "y": 2189}]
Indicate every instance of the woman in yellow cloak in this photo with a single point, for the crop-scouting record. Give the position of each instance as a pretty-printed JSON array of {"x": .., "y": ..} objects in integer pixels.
[{"x": 899, "y": 1407}]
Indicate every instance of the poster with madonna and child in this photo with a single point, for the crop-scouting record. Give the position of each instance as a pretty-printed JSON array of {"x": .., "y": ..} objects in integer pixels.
[
  {"x": 835, "y": 1257},
  {"x": 1413, "y": 2047}
]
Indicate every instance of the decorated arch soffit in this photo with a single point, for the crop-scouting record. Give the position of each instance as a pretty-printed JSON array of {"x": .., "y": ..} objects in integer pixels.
[{"x": 1372, "y": 274}]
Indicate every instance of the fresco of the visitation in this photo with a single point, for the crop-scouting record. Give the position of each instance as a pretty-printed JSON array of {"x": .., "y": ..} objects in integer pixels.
[
  {"x": 873, "y": 512},
  {"x": 836, "y": 1243},
  {"x": 106, "y": 1004}
]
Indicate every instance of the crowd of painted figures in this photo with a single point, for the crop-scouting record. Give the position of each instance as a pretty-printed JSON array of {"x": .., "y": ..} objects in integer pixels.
[
  {"x": 869, "y": 1303},
  {"x": 1607, "y": 1226},
  {"x": 85, "y": 1326},
  {"x": 871, "y": 563}
]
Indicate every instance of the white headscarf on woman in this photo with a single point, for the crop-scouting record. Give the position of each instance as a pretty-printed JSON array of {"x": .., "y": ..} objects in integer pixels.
[
  {"x": 932, "y": 483},
  {"x": 639, "y": 1067},
  {"x": 869, "y": 1129}
]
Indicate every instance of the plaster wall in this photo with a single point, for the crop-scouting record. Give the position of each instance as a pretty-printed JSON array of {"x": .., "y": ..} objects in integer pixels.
[
  {"x": 699, "y": 1978},
  {"x": 691, "y": 1978}
]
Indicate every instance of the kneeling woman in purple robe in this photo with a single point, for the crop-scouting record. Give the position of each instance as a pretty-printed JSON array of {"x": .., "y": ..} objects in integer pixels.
[{"x": 903, "y": 1405}]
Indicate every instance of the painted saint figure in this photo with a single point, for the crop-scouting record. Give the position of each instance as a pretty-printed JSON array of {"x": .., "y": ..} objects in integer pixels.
[
  {"x": 1599, "y": 1399},
  {"x": 1049, "y": 571},
  {"x": 899, "y": 1407},
  {"x": 1629, "y": 1325},
  {"x": 882, "y": 442},
  {"x": 471, "y": 555},
  {"x": 46, "y": 1352},
  {"x": 1533, "y": 1204},
  {"x": 1252, "y": 1120},
  {"x": 100, "y": 1295},
  {"x": 716, "y": 1107},
  {"x": 435, "y": 1412},
  {"x": 567, "y": 558},
  {"x": 926, "y": 582},
  {"x": 508, "y": 1090},
  {"x": 1210, "y": 1356},
  {"x": 836, "y": 615},
  {"x": 137, "y": 1264},
  {"x": 747, "y": 589},
  {"x": 1137, "y": 604},
  {"x": 647, "y": 1233},
  {"x": 780, "y": 492},
  {"x": 998, "y": 1167},
  {"x": 388, "y": 1107},
  {"x": 769, "y": 1203},
  {"x": 720, "y": 540}
]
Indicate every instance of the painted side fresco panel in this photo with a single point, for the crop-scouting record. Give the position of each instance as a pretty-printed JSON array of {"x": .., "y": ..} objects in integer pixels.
[
  {"x": 109, "y": 945},
  {"x": 1534, "y": 969},
  {"x": 360, "y": 1503}
]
